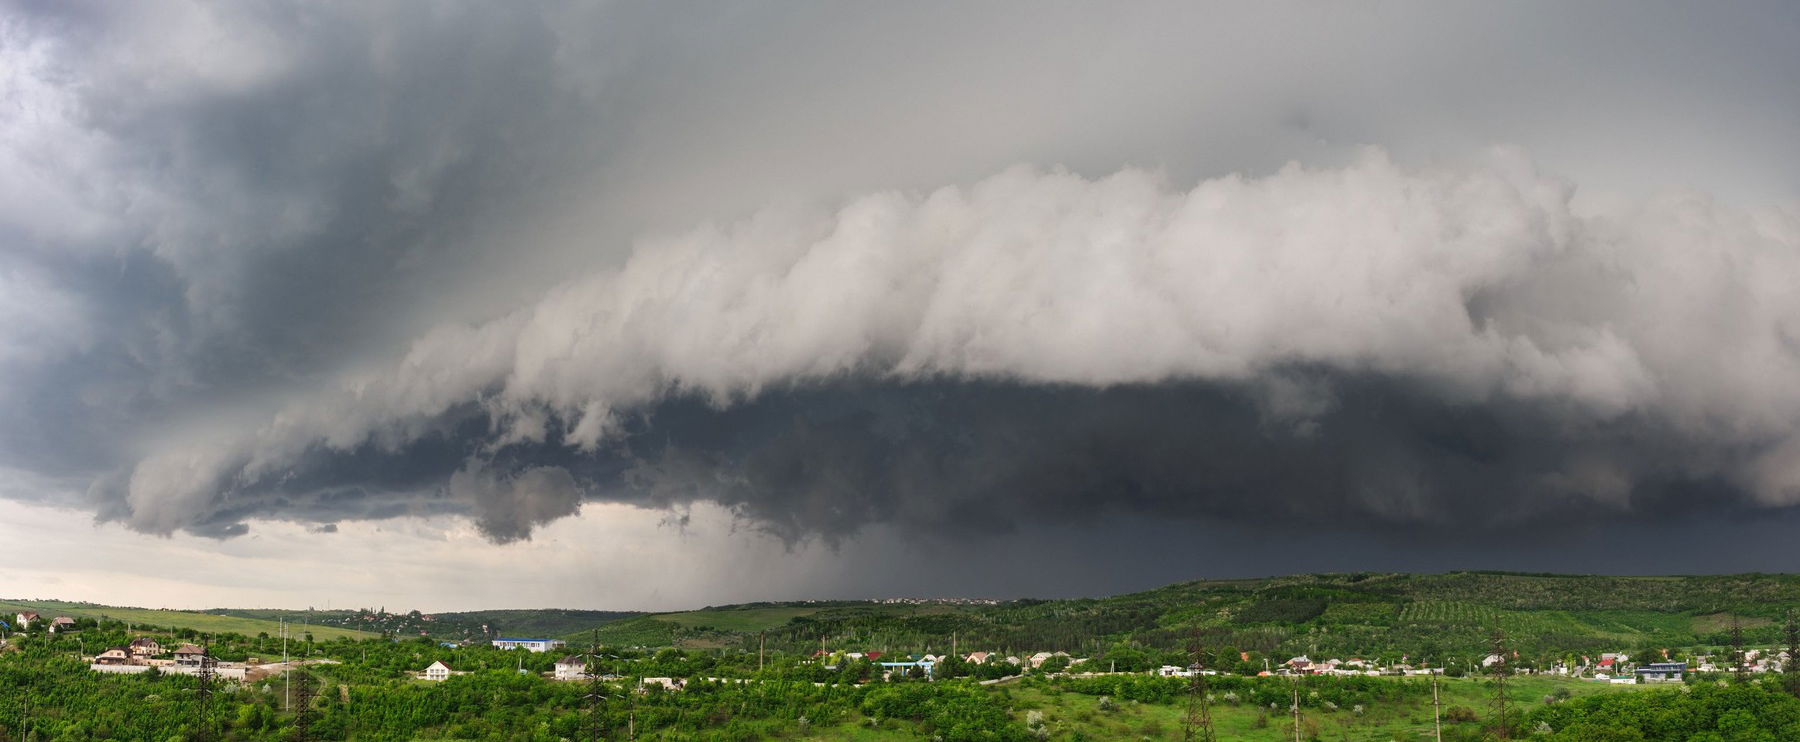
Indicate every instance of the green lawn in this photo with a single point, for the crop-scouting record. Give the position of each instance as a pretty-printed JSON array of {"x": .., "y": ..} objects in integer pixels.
[{"x": 175, "y": 619}]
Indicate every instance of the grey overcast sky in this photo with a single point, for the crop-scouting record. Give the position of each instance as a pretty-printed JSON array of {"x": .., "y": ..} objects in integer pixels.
[{"x": 657, "y": 305}]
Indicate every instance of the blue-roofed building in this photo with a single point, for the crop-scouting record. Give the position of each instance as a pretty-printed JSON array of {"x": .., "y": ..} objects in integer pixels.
[
  {"x": 907, "y": 667},
  {"x": 535, "y": 645},
  {"x": 1661, "y": 672}
]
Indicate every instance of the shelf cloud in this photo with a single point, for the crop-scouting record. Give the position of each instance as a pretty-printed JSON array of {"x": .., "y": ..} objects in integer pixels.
[{"x": 1378, "y": 342}]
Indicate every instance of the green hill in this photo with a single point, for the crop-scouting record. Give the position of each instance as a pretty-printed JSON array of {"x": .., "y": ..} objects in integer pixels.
[
  {"x": 455, "y": 625},
  {"x": 1365, "y": 614},
  {"x": 196, "y": 620}
]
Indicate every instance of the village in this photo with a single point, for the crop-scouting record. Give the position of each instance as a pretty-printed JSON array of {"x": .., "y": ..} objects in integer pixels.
[{"x": 146, "y": 653}]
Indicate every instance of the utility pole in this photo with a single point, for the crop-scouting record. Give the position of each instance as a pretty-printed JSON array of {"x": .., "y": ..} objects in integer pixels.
[
  {"x": 1437, "y": 718},
  {"x": 761, "y": 636},
  {"x": 287, "y": 682},
  {"x": 1295, "y": 708}
]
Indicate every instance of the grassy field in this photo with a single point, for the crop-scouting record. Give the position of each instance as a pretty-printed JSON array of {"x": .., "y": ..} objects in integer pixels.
[{"x": 175, "y": 619}]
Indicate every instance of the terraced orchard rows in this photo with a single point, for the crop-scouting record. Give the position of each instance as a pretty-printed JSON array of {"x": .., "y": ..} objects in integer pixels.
[{"x": 1364, "y": 614}]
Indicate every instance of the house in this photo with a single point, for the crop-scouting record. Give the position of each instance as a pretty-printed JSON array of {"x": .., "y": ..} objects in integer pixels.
[
  {"x": 535, "y": 645},
  {"x": 1491, "y": 660},
  {"x": 1038, "y": 660},
  {"x": 1661, "y": 672},
  {"x": 1299, "y": 663},
  {"x": 144, "y": 647},
  {"x": 114, "y": 656},
  {"x": 904, "y": 668},
  {"x": 61, "y": 623},
  {"x": 572, "y": 667},
  {"x": 189, "y": 656},
  {"x": 977, "y": 658},
  {"x": 438, "y": 671},
  {"x": 25, "y": 618}
]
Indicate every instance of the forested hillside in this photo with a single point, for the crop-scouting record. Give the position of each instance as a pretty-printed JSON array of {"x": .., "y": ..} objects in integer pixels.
[
  {"x": 1346, "y": 615},
  {"x": 469, "y": 625}
]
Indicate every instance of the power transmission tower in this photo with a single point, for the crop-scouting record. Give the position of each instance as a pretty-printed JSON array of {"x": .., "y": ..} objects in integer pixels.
[
  {"x": 1790, "y": 668},
  {"x": 304, "y": 713},
  {"x": 204, "y": 692},
  {"x": 1501, "y": 668},
  {"x": 1737, "y": 648},
  {"x": 596, "y": 692},
  {"x": 1197, "y": 725}
]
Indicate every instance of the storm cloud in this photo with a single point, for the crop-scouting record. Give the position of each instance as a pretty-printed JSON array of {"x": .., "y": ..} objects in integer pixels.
[
  {"x": 1369, "y": 342},
  {"x": 947, "y": 270}
]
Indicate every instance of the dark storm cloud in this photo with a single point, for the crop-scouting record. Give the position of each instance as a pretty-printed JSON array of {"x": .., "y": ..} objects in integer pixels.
[
  {"x": 334, "y": 262},
  {"x": 963, "y": 460}
]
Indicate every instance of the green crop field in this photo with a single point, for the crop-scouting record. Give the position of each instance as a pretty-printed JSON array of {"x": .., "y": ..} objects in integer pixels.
[{"x": 202, "y": 622}]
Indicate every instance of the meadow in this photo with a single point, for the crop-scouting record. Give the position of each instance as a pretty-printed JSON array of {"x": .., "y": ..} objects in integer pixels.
[{"x": 203, "y": 623}]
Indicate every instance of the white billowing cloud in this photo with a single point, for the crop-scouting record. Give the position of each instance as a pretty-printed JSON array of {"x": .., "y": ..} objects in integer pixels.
[{"x": 1479, "y": 284}]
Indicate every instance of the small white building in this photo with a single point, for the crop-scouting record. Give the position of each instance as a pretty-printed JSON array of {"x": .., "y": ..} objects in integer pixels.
[
  {"x": 24, "y": 619},
  {"x": 572, "y": 667},
  {"x": 114, "y": 656},
  {"x": 535, "y": 645},
  {"x": 61, "y": 623},
  {"x": 664, "y": 683},
  {"x": 438, "y": 671}
]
